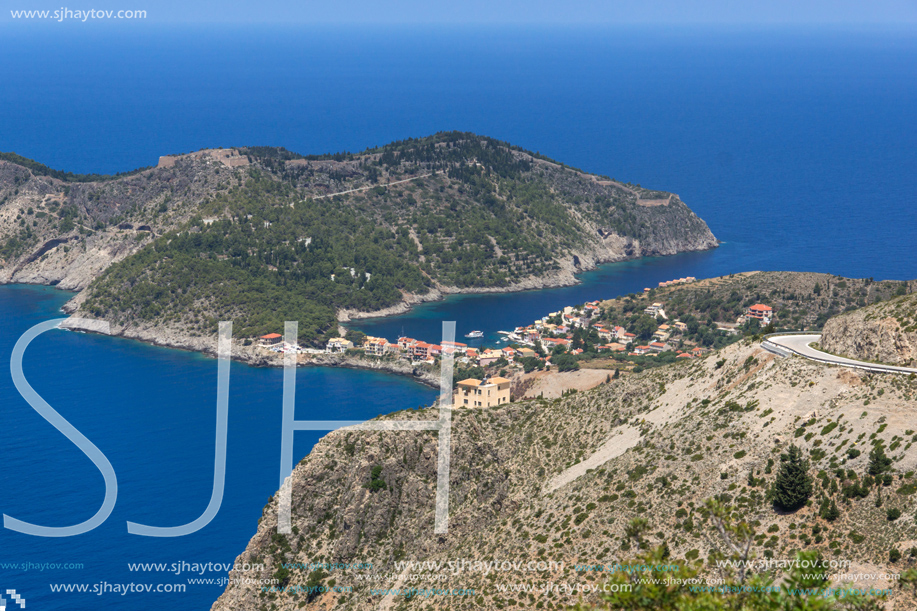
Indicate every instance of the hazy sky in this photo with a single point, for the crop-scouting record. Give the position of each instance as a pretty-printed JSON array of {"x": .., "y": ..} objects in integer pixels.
[{"x": 790, "y": 12}]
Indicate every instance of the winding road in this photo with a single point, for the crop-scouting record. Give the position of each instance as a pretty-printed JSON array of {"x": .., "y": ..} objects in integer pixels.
[{"x": 784, "y": 345}]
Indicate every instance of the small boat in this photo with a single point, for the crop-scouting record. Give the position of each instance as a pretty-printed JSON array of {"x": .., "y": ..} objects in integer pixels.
[{"x": 474, "y": 334}]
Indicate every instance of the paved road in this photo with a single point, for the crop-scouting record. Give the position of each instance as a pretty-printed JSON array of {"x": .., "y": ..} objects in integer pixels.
[{"x": 799, "y": 344}]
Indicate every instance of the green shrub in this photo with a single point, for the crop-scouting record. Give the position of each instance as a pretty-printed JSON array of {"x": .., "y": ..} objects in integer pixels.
[
  {"x": 376, "y": 482},
  {"x": 907, "y": 489}
]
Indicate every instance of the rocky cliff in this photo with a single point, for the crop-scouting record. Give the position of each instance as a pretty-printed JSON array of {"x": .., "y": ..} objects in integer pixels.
[
  {"x": 885, "y": 332},
  {"x": 545, "y": 488}
]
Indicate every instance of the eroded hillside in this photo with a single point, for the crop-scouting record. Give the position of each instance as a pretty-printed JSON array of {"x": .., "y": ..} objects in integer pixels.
[
  {"x": 559, "y": 481},
  {"x": 885, "y": 332}
]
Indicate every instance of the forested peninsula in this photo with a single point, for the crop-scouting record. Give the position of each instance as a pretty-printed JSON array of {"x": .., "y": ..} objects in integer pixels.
[{"x": 260, "y": 235}]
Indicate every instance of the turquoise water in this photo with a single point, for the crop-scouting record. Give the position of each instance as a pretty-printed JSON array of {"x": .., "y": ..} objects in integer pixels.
[{"x": 797, "y": 147}]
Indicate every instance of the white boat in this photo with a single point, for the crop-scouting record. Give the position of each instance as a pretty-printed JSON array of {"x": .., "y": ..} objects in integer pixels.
[{"x": 474, "y": 334}]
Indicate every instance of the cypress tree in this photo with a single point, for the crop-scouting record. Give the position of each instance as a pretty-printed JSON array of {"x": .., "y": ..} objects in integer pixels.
[{"x": 794, "y": 485}]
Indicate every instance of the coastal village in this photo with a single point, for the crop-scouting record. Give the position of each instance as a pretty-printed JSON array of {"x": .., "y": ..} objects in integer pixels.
[{"x": 560, "y": 341}]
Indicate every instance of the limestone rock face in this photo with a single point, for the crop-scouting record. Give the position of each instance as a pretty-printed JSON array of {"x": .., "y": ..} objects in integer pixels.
[{"x": 885, "y": 332}]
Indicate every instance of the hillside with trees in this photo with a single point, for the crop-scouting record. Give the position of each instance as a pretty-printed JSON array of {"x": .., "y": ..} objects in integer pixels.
[{"x": 262, "y": 235}]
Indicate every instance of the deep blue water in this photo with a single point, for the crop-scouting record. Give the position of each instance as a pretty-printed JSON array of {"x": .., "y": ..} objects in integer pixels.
[
  {"x": 152, "y": 412},
  {"x": 798, "y": 147}
]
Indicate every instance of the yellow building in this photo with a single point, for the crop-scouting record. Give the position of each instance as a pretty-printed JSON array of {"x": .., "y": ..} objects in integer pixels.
[{"x": 482, "y": 393}]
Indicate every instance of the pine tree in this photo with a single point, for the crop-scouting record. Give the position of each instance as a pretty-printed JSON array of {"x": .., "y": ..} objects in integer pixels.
[
  {"x": 794, "y": 485},
  {"x": 833, "y": 512},
  {"x": 879, "y": 463}
]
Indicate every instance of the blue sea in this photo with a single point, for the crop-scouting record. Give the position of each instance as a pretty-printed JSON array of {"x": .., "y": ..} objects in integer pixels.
[{"x": 798, "y": 147}]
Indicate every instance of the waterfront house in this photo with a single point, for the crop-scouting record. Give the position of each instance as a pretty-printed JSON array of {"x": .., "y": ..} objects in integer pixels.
[
  {"x": 339, "y": 344},
  {"x": 271, "y": 339},
  {"x": 457, "y": 347},
  {"x": 420, "y": 351},
  {"x": 374, "y": 346}
]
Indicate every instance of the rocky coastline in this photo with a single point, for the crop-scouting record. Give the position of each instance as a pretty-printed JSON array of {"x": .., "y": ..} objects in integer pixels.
[
  {"x": 565, "y": 276},
  {"x": 181, "y": 339},
  {"x": 257, "y": 356}
]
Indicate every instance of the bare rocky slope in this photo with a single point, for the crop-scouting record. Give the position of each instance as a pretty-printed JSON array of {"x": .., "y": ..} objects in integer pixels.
[
  {"x": 558, "y": 481},
  {"x": 885, "y": 332}
]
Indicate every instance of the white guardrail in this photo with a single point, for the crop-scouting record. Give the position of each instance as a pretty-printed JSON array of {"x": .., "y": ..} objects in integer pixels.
[{"x": 786, "y": 351}]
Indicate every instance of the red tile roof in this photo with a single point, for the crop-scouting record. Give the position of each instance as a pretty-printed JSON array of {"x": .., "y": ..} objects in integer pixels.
[{"x": 271, "y": 336}]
